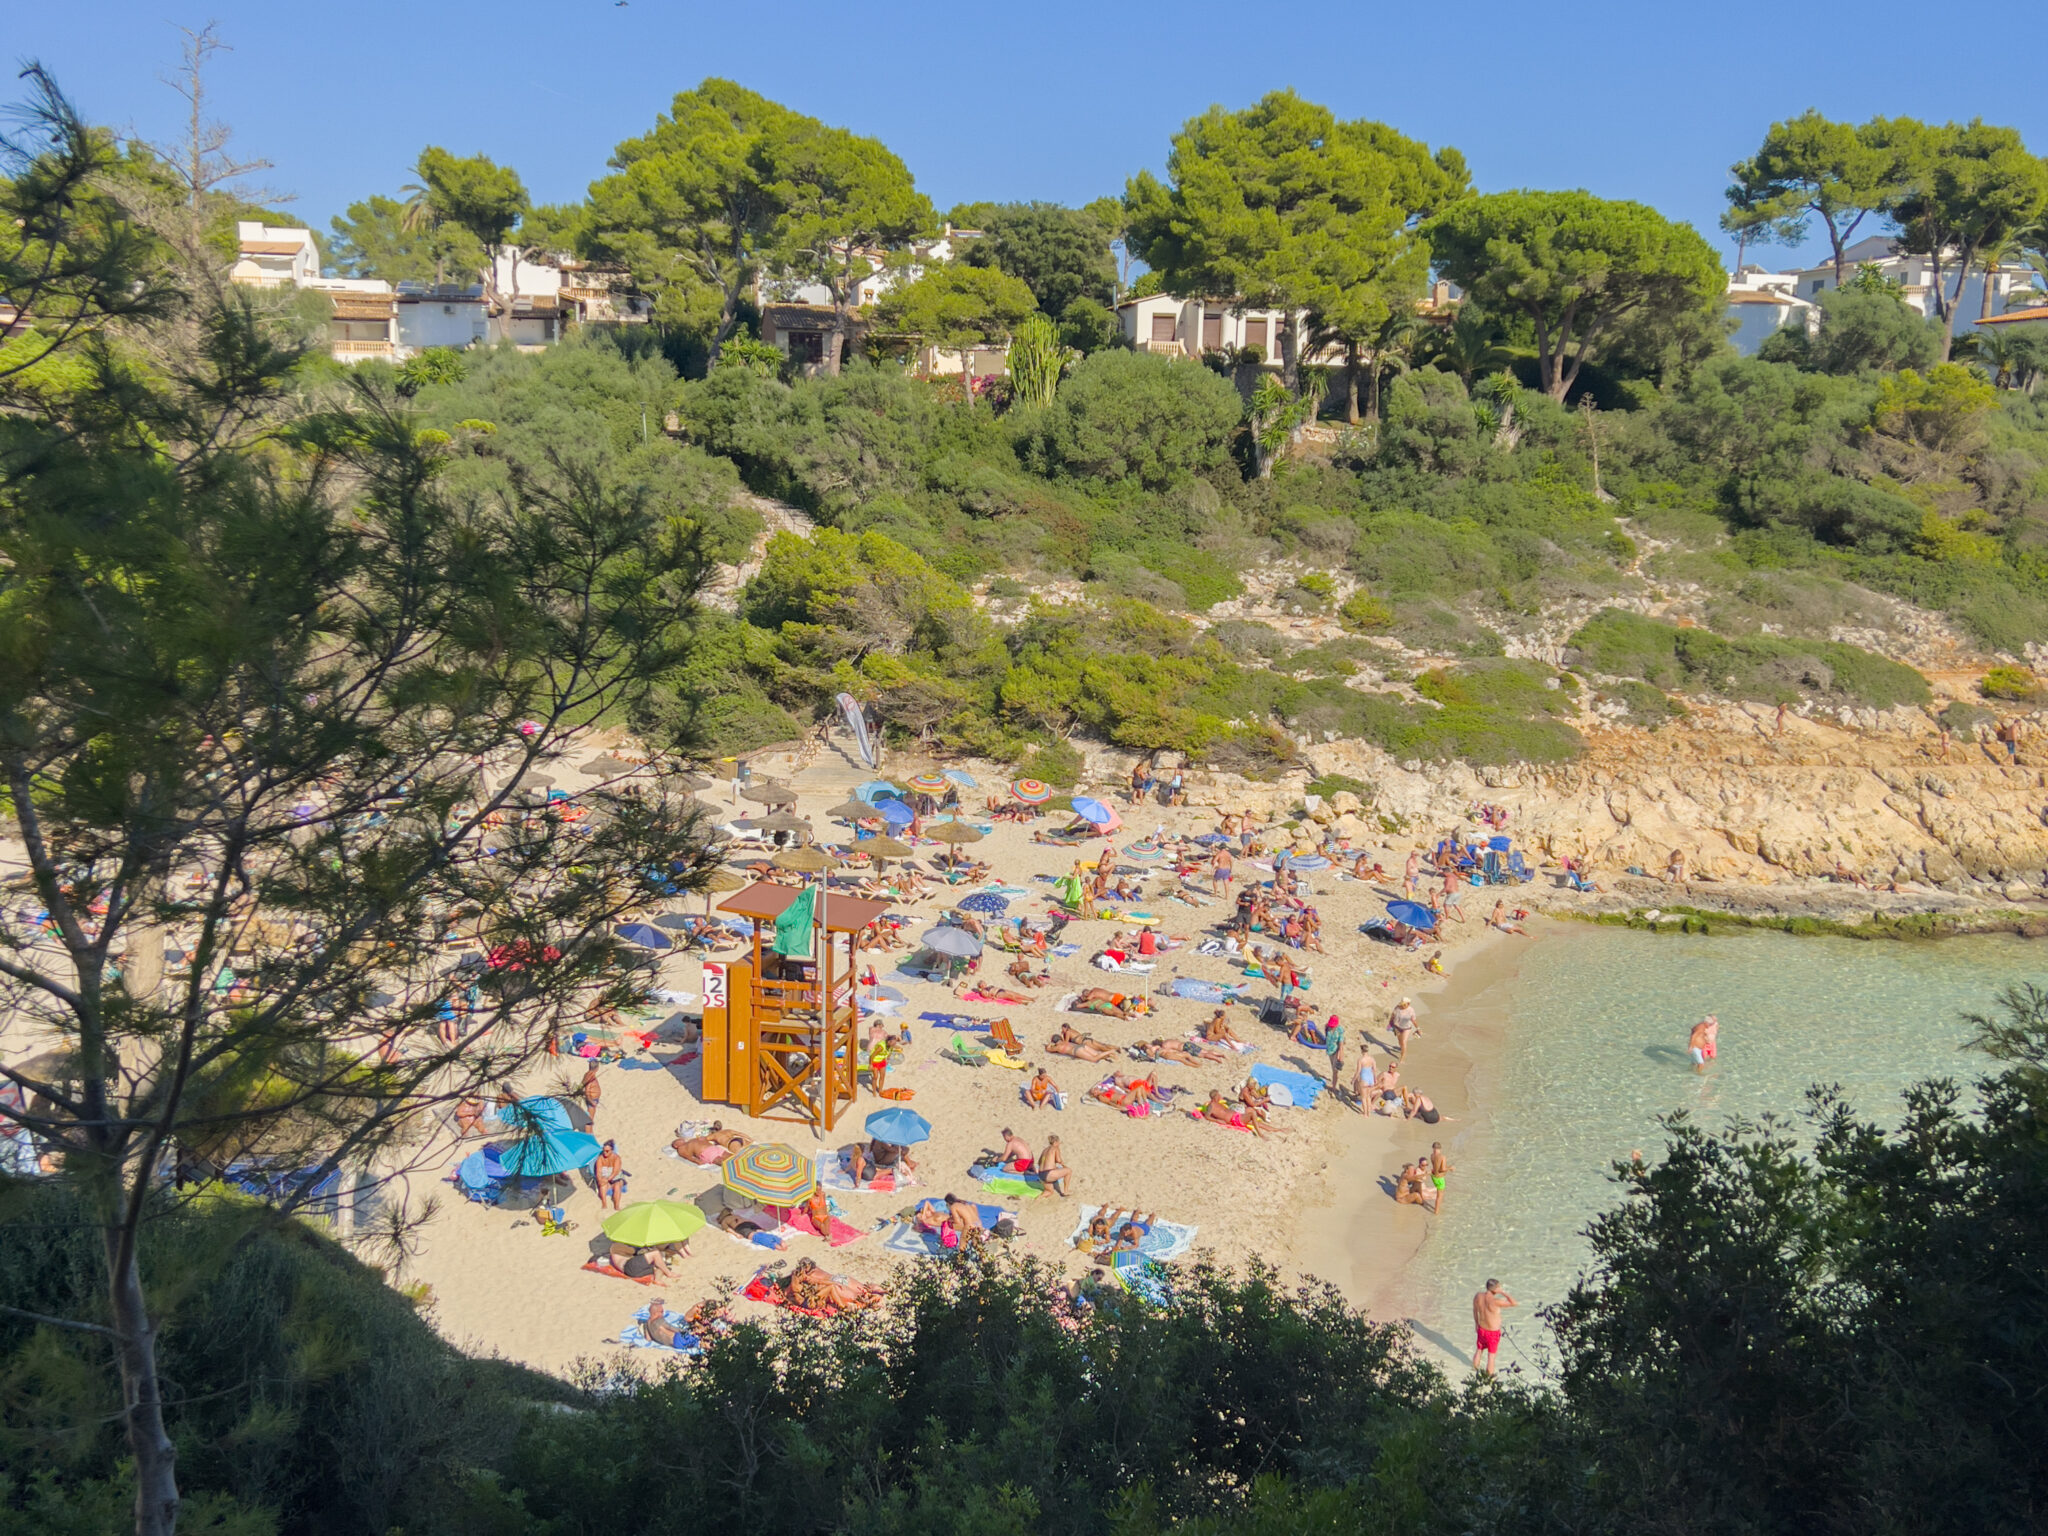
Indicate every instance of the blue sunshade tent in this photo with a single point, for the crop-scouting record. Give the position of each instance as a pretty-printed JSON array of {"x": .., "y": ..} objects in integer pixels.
[
  {"x": 1093, "y": 810},
  {"x": 551, "y": 1152},
  {"x": 1413, "y": 913},
  {"x": 877, "y": 789},
  {"x": 644, "y": 934},
  {"x": 903, "y": 1127}
]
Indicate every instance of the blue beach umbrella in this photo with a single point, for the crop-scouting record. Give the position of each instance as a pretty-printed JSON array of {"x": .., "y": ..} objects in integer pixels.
[
  {"x": 480, "y": 1169},
  {"x": 643, "y": 934},
  {"x": 901, "y": 1127},
  {"x": 987, "y": 902},
  {"x": 961, "y": 777},
  {"x": 1413, "y": 913},
  {"x": 895, "y": 812},
  {"x": 536, "y": 1116},
  {"x": 551, "y": 1152},
  {"x": 1093, "y": 810}
]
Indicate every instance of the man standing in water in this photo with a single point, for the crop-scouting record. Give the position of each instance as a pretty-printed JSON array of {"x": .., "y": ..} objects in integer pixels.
[
  {"x": 1701, "y": 1042},
  {"x": 1486, "y": 1322}
]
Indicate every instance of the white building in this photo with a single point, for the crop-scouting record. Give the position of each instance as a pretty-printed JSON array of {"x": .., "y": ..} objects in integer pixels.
[
  {"x": 1177, "y": 327},
  {"x": 1763, "y": 301}
]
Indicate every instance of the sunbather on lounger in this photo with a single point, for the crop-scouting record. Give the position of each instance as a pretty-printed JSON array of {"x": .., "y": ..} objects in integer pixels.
[{"x": 982, "y": 992}]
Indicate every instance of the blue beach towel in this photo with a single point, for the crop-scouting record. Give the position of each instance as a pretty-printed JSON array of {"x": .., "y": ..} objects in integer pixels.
[{"x": 1302, "y": 1088}]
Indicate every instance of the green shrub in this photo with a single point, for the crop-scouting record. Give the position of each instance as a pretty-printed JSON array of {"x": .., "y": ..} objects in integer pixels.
[
  {"x": 1644, "y": 705},
  {"x": 1760, "y": 668},
  {"x": 1058, "y": 763},
  {"x": 1339, "y": 783},
  {"x": 1367, "y": 614},
  {"x": 2008, "y": 683},
  {"x": 1442, "y": 631},
  {"x": 1965, "y": 719}
]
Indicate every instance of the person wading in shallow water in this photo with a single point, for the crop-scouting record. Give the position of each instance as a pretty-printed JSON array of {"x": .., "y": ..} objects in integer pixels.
[{"x": 1486, "y": 1308}]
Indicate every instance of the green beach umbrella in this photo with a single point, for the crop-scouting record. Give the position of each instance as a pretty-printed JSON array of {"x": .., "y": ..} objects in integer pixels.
[{"x": 650, "y": 1223}]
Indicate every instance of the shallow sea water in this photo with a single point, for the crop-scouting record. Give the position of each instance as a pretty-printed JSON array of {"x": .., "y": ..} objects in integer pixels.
[{"x": 1595, "y": 1026}]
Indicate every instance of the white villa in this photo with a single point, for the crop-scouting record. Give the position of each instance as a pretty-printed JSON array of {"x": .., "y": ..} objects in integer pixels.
[
  {"x": 1761, "y": 302},
  {"x": 372, "y": 319}
]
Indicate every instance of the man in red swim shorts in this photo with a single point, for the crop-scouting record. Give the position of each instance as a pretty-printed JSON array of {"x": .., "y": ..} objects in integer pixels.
[{"x": 1486, "y": 1322}]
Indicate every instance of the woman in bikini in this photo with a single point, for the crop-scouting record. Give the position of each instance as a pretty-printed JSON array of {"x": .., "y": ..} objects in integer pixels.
[{"x": 1217, "y": 1032}]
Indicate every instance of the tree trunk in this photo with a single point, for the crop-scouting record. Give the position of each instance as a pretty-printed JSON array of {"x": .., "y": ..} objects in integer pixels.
[
  {"x": 1372, "y": 389},
  {"x": 1290, "y": 354},
  {"x": 967, "y": 374},
  {"x": 1351, "y": 382},
  {"x": 1948, "y": 301},
  {"x": 1984, "y": 298},
  {"x": 156, "y": 1481}
]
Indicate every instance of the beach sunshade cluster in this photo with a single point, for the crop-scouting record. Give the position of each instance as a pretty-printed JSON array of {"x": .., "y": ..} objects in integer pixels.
[
  {"x": 769, "y": 1173},
  {"x": 651, "y": 1223},
  {"x": 901, "y": 1127},
  {"x": 1030, "y": 791}
]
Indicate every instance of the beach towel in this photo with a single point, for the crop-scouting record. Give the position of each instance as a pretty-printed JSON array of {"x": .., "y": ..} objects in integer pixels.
[
  {"x": 954, "y": 1021},
  {"x": 884, "y": 1181},
  {"x": 1000, "y": 1180},
  {"x": 1163, "y": 1240},
  {"x": 770, "y": 1236},
  {"x": 1302, "y": 1089},
  {"x": 1197, "y": 990},
  {"x": 763, "y": 1288},
  {"x": 605, "y": 1269},
  {"x": 1143, "y": 1278},
  {"x": 1065, "y": 951},
  {"x": 797, "y": 1219},
  {"x": 634, "y": 1336},
  {"x": 905, "y": 1237}
]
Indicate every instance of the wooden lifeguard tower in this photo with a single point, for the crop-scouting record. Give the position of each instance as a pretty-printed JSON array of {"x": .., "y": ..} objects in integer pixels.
[{"x": 782, "y": 1034}]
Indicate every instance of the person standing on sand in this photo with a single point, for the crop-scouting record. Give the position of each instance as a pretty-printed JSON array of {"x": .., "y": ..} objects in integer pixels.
[
  {"x": 1409, "y": 875},
  {"x": 1220, "y": 872},
  {"x": 592, "y": 1091},
  {"x": 1333, "y": 1043},
  {"x": 1402, "y": 1022},
  {"x": 1486, "y": 1309}
]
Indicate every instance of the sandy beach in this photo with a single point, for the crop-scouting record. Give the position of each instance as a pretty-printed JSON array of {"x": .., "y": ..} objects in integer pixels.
[{"x": 1308, "y": 1202}]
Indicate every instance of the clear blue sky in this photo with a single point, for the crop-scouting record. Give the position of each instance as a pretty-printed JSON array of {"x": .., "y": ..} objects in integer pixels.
[{"x": 1053, "y": 100}]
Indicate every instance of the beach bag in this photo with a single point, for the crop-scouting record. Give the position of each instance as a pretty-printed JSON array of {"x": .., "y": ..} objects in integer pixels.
[
  {"x": 948, "y": 1238},
  {"x": 1059, "y": 1101}
]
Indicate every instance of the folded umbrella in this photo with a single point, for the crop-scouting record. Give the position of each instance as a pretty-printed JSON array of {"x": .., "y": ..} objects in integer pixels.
[{"x": 899, "y": 1127}]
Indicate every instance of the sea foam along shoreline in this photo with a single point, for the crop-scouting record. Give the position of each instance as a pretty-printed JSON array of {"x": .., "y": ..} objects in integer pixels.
[{"x": 1356, "y": 1238}]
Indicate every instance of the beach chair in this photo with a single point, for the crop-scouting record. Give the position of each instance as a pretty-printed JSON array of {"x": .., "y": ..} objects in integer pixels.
[
  {"x": 1519, "y": 867},
  {"x": 966, "y": 1053},
  {"x": 1006, "y": 1037},
  {"x": 1492, "y": 870},
  {"x": 1578, "y": 881}
]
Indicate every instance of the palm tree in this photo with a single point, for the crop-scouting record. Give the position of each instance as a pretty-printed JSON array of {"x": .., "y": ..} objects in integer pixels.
[
  {"x": 1468, "y": 346},
  {"x": 2000, "y": 354}
]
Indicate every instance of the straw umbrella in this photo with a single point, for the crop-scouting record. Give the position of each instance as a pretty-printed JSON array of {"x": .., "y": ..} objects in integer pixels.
[
  {"x": 852, "y": 810},
  {"x": 784, "y": 821},
  {"x": 721, "y": 882},
  {"x": 806, "y": 860},
  {"x": 883, "y": 848},
  {"x": 769, "y": 792},
  {"x": 689, "y": 781},
  {"x": 953, "y": 833}
]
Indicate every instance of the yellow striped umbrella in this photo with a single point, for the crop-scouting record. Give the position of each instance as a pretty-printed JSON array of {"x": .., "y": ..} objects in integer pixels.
[{"x": 769, "y": 1173}]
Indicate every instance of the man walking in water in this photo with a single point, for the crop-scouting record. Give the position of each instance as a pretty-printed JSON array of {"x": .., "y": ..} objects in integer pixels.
[
  {"x": 1702, "y": 1042},
  {"x": 1486, "y": 1322}
]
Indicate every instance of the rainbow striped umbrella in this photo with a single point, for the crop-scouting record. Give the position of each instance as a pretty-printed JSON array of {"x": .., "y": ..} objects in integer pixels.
[
  {"x": 770, "y": 1174},
  {"x": 1031, "y": 791},
  {"x": 929, "y": 783}
]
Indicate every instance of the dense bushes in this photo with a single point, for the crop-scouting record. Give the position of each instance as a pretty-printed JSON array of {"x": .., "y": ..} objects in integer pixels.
[{"x": 1615, "y": 643}]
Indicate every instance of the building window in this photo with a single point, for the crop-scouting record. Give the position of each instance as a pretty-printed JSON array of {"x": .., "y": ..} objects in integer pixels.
[
  {"x": 1212, "y": 332},
  {"x": 1162, "y": 327},
  {"x": 1255, "y": 334},
  {"x": 1818, "y": 284}
]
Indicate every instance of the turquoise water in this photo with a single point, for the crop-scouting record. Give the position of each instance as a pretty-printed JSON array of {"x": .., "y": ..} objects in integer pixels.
[{"x": 1595, "y": 1028}]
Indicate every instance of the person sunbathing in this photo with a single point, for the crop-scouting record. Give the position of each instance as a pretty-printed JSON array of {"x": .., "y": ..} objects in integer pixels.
[
  {"x": 1197, "y": 1052},
  {"x": 658, "y": 1326},
  {"x": 1126, "y": 1238},
  {"x": 709, "y": 1318},
  {"x": 1103, "y": 1001},
  {"x": 469, "y": 1117},
  {"x": 810, "y": 1286},
  {"x": 732, "y": 1141},
  {"x": 738, "y": 1225},
  {"x": 1253, "y": 1096},
  {"x": 1218, "y": 1031},
  {"x": 964, "y": 1217},
  {"x": 983, "y": 992},
  {"x": 1021, "y": 971},
  {"x": 700, "y": 1149},
  {"x": 1120, "y": 1092},
  {"x": 877, "y": 1157},
  {"x": 1169, "y": 1050},
  {"x": 1416, "y": 1105},
  {"x": 1219, "y": 1111},
  {"x": 1505, "y": 921},
  {"x": 1413, "y": 1188},
  {"x": 1082, "y": 1047},
  {"x": 1053, "y": 1172},
  {"x": 639, "y": 1263}
]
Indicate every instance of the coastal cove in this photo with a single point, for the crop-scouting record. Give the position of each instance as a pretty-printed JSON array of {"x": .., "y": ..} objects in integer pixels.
[{"x": 1553, "y": 1058}]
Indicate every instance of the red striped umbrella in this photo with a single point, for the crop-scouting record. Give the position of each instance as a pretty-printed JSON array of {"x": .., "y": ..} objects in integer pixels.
[{"x": 1031, "y": 791}]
